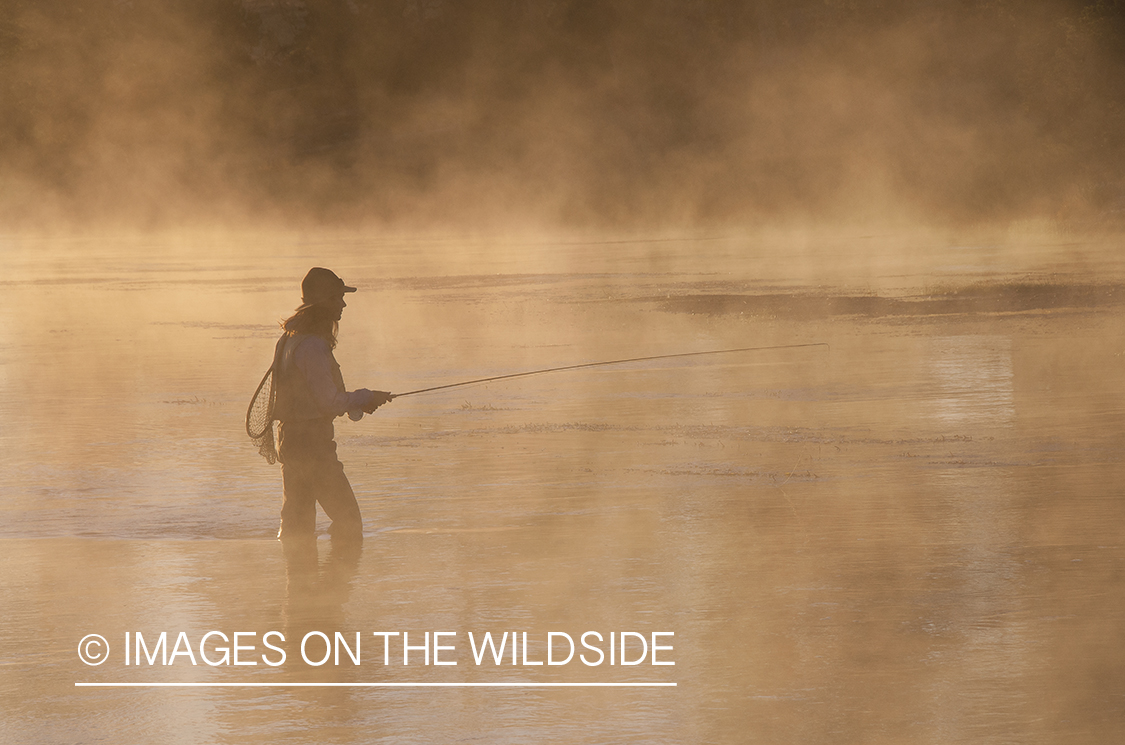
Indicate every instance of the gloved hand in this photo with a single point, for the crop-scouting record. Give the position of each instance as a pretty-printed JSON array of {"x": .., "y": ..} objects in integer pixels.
[{"x": 377, "y": 399}]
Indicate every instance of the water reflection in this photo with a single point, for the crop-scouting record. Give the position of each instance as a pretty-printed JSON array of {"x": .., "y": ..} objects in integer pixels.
[
  {"x": 315, "y": 594},
  {"x": 911, "y": 538},
  {"x": 972, "y": 380}
]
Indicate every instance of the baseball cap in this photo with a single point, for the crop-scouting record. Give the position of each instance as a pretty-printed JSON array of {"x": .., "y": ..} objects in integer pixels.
[{"x": 321, "y": 284}]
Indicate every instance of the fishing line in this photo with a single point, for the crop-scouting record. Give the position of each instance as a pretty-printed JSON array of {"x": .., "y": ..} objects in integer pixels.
[{"x": 604, "y": 364}]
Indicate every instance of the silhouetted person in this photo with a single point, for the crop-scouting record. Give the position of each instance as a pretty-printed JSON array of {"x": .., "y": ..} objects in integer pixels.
[{"x": 310, "y": 393}]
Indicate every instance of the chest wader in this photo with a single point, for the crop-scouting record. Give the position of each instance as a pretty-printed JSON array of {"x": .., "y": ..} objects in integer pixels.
[{"x": 310, "y": 471}]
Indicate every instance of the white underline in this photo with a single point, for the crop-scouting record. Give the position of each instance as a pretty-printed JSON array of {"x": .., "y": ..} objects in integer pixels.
[{"x": 375, "y": 685}]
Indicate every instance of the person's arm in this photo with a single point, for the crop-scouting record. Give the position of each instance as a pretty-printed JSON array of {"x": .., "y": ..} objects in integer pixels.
[{"x": 314, "y": 359}]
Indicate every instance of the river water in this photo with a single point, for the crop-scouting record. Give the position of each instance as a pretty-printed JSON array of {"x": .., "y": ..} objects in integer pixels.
[{"x": 909, "y": 535}]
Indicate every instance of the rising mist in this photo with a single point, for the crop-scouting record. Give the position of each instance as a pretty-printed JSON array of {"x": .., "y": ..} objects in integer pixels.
[{"x": 423, "y": 113}]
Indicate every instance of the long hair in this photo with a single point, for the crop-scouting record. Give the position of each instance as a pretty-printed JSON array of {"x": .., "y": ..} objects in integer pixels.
[{"x": 316, "y": 320}]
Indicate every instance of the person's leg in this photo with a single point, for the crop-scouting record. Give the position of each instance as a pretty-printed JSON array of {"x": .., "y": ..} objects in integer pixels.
[
  {"x": 331, "y": 487},
  {"x": 300, "y": 480},
  {"x": 338, "y": 500}
]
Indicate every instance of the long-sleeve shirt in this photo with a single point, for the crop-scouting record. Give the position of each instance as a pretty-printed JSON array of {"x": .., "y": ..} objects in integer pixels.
[
  {"x": 314, "y": 358},
  {"x": 311, "y": 384}
]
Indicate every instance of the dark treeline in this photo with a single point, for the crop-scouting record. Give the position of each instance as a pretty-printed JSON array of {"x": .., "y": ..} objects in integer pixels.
[{"x": 572, "y": 111}]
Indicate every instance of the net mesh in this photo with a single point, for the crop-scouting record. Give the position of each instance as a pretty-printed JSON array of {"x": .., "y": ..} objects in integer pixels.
[
  {"x": 259, "y": 419},
  {"x": 260, "y": 414}
]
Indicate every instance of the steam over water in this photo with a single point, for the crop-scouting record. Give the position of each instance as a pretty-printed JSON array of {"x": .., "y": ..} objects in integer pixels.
[
  {"x": 517, "y": 113},
  {"x": 912, "y": 535},
  {"x": 907, "y": 530}
]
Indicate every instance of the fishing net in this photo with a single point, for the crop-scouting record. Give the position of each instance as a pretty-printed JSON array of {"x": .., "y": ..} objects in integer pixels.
[{"x": 260, "y": 414}]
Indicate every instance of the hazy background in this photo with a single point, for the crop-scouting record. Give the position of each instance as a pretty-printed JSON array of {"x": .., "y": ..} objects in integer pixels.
[
  {"x": 910, "y": 535},
  {"x": 577, "y": 113}
]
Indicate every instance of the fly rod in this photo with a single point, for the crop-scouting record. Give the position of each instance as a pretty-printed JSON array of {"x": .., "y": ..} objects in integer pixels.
[{"x": 604, "y": 364}]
